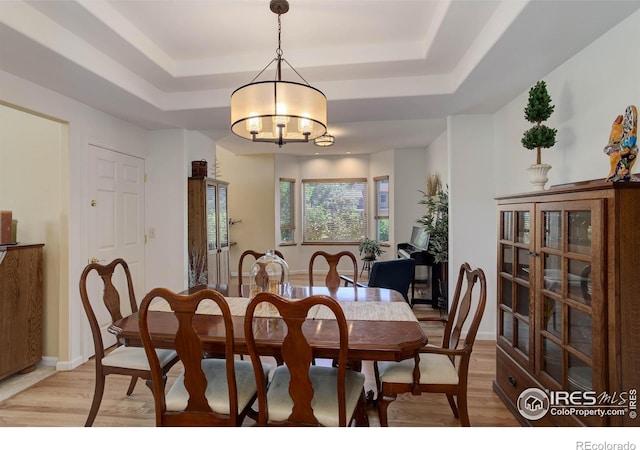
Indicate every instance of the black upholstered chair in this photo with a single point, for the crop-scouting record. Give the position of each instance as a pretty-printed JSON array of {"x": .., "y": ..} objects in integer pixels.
[{"x": 395, "y": 274}]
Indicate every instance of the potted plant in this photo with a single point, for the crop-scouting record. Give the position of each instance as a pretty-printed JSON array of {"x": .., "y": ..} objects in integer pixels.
[
  {"x": 370, "y": 249},
  {"x": 436, "y": 222},
  {"x": 539, "y": 109}
]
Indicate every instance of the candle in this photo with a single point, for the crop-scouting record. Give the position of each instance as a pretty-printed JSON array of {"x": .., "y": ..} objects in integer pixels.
[
  {"x": 5, "y": 227},
  {"x": 14, "y": 231}
]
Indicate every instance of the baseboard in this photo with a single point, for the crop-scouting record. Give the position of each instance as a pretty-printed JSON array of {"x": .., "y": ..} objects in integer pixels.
[
  {"x": 486, "y": 335},
  {"x": 48, "y": 361},
  {"x": 69, "y": 365}
]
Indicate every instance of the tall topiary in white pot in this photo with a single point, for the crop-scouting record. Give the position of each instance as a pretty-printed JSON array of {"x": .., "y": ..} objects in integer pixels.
[{"x": 539, "y": 109}]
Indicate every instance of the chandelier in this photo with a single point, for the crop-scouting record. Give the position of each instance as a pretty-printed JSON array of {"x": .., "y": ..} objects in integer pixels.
[
  {"x": 326, "y": 140},
  {"x": 275, "y": 110}
]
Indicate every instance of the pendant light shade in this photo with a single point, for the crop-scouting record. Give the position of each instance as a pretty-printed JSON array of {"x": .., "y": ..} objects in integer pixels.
[
  {"x": 326, "y": 140},
  {"x": 272, "y": 111},
  {"x": 275, "y": 110}
]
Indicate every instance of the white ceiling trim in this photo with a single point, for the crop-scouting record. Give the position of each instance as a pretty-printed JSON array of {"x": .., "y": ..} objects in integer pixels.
[
  {"x": 111, "y": 18},
  {"x": 41, "y": 29},
  {"x": 506, "y": 13},
  {"x": 436, "y": 25}
]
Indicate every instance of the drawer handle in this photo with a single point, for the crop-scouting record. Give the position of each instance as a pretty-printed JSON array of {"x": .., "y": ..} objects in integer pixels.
[{"x": 512, "y": 381}]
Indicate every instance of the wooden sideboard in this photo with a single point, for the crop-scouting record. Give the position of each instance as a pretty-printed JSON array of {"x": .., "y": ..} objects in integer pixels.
[{"x": 20, "y": 308}]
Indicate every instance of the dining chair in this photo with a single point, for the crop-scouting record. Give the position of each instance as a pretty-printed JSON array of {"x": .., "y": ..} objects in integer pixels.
[
  {"x": 332, "y": 280},
  {"x": 209, "y": 391},
  {"x": 122, "y": 360},
  {"x": 441, "y": 369},
  {"x": 395, "y": 274},
  {"x": 256, "y": 256},
  {"x": 299, "y": 392}
]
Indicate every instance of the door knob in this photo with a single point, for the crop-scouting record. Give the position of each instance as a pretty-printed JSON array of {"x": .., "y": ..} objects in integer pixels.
[{"x": 96, "y": 260}]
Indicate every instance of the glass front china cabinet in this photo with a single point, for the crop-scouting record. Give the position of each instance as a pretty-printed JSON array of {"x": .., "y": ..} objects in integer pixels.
[
  {"x": 208, "y": 231},
  {"x": 568, "y": 296}
]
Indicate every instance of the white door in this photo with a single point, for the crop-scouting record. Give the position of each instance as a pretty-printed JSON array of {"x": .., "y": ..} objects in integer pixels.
[{"x": 115, "y": 227}]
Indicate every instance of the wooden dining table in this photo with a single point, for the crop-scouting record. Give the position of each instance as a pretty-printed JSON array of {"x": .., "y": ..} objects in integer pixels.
[{"x": 382, "y": 326}]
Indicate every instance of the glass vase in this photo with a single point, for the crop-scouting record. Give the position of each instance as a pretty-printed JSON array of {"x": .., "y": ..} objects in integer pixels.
[{"x": 269, "y": 273}]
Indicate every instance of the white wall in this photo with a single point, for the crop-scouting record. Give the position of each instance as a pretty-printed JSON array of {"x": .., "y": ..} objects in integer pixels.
[
  {"x": 588, "y": 95},
  {"x": 85, "y": 125},
  {"x": 589, "y": 91},
  {"x": 200, "y": 146},
  {"x": 251, "y": 198},
  {"x": 438, "y": 158},
  {"x": 410, "y": 178},
  {"x": 31, "y": 186},
  {"x": 166, "y": 210},
  {"x": 472, "y": 223}
]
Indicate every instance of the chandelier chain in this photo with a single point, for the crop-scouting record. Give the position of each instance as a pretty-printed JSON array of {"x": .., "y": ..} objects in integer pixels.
[{"x": 279, "y": 50}]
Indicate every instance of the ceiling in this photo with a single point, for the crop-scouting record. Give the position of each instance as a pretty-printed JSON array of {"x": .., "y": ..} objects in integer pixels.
[{"x": 392, "y": 71}]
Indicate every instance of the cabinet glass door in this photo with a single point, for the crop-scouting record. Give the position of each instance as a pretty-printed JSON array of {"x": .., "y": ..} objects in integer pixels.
[
  {"x": 223, "y": 216},
  {"x": 514, "y": 290},
  {"x": 223, "y": 228},
  {"x": 568, "y": 314},
  {"x": 212, "y": 224}
]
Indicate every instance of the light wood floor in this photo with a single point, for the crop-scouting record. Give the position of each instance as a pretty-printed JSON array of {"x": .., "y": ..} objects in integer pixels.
[{"x": 63, "y": 400}]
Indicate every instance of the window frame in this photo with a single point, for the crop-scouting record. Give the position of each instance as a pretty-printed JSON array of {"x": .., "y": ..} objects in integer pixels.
[
  {"x": 378, "y": 216},
  {"x": 365, "y": 209},
  {"x": 291, "y": 227}
]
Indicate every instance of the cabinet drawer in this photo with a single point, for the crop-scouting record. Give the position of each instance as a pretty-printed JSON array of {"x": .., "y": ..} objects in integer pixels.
[{"x": 512, "y": 380}]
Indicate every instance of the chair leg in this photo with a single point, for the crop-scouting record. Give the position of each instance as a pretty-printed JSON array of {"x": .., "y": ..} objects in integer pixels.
[
  {"x": 462, "y": 407},
  {"x": 97, "y": 399},
  {"x": 383, "y": 404},
  {"x": 149, "y": 382},
  {"x": 132, "y": 385},
  {"x": 362, "y": 419},
  {"x": 452, "y": 404}
]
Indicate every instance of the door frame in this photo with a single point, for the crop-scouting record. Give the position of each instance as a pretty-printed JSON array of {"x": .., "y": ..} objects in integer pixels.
[{"x": 86, "y": 338}]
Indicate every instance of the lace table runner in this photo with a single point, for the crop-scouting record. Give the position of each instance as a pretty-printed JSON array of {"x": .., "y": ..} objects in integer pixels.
[{"x": 388, "y": 311}]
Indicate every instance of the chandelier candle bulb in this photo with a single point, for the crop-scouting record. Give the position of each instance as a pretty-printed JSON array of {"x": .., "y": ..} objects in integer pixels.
[
  {"x": 305, "y": 126},
  {"x": 254, "y": 124}
]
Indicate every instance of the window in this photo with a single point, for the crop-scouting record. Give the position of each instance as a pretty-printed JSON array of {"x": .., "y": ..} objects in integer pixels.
[
  {"x": 382, "y": 208},
  {"x": 335, "y": 210},
  {"x": 287, "y": 200}
]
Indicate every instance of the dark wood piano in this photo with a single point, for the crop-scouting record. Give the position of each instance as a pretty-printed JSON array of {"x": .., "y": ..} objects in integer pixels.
[{"x": 425, "y": 288}]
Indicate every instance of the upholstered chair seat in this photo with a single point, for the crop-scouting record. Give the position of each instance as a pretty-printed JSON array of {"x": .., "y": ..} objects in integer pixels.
[
  {"x": 135, "y": 358},
  {"x": 325, "y": 394},
  {"x": 434, "y": 369},
  {"x": 217, "y": 392}
]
